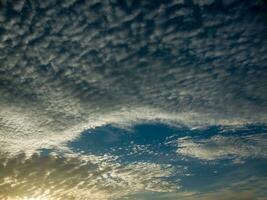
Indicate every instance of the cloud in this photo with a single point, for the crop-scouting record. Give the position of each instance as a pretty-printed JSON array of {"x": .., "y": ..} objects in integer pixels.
[
  {"x": 248, "y": 188},
  {"x": 67, "y": 66},
  {"x": 238, "y": 184},
  {"x": 240, "y": 190},
  {"x": 238, "y": 148},
  {"x": 80, "y": 177}
]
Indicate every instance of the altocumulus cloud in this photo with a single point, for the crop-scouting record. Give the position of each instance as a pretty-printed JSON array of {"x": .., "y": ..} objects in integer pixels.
[
  {"x": 238, "y": 148},
  {"x": 72, "y": 65},
  {"x": 67, "y": 66},
  {"x": 80, "y": 177}
]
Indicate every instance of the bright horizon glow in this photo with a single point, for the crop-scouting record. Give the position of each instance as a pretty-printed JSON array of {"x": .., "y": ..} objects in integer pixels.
[{"x": 34, "y": 198}]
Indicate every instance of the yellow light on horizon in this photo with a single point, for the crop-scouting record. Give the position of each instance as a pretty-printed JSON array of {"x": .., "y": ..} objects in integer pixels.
[{"x": 34, "y": 198}]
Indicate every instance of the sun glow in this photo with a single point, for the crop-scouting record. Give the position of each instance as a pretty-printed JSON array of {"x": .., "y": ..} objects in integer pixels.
[{"x": 34, "y": 198}]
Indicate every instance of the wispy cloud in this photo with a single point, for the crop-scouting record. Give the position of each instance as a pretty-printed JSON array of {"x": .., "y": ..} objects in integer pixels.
[
  {"x": 238, "y": 148},
  {"x": 80, "y": 177}
]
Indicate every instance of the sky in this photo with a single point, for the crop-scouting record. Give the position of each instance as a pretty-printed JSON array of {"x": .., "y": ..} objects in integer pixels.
[{"x": 114, "y": 99}]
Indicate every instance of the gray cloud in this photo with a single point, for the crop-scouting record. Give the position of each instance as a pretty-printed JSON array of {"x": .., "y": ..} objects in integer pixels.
[
  {"x": 66, "y": 66},
  {"x": 246, "y": 189},
  {"x": 72, "y": 65}
]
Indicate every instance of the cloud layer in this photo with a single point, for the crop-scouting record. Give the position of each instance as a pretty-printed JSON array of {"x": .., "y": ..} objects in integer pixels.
[
  {"x": 80, "y": 177},
  {"x": 72, "y": 65},
  {"x": 69, "y": 66},
  {"x": 220, "y": 147}
]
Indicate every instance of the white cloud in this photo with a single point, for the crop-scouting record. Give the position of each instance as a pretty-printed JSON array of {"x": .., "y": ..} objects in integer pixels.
[
  {"x": 80, "y": 177},
  {"x": 219, "y": 147},
  {"x": 66, "y": 67}
]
